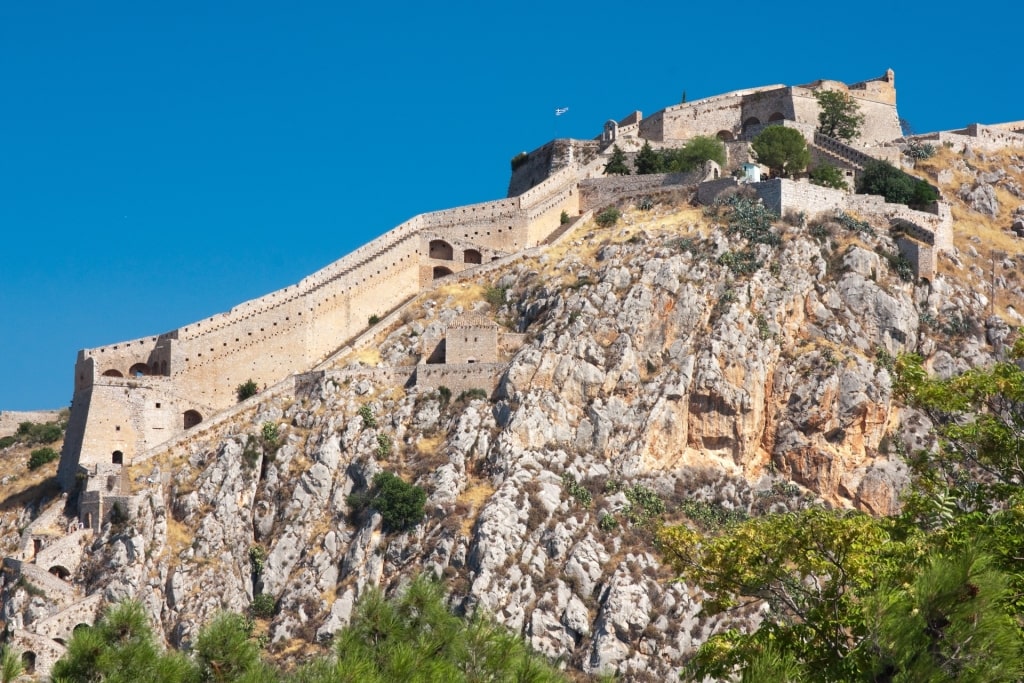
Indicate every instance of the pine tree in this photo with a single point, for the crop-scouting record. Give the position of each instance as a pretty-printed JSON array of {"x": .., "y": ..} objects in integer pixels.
[{"x": 617, "y": 163}]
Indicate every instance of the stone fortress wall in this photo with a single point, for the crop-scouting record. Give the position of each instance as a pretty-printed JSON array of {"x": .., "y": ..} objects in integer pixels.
[
  {"x": 733, "y": 115},
  {"x": 132, "y": 396},
  {"x": 152, "y": 395}
]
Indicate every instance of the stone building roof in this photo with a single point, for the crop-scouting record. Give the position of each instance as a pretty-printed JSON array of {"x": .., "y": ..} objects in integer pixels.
[{"x": 471, "y": 320}]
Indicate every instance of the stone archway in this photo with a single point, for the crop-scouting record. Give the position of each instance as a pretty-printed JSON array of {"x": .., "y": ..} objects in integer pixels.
[
  {"x": 777, "y": 116},
  {"x": 60, "y": 572},
  {"x": 191, "y": 418},
  {"x": 117, "y": 458},
  {"x": 112, "y": 373},
  {"x": 28, "y": 661},
  {"x": 725, "y": 135},
  {"x": 751, "y": 122},
  {"x": 441, "y": 271},
  {"x": 440, "y": 249},
  {"x": 472, "y": 256},
  {"x": 138, "y": 370}
]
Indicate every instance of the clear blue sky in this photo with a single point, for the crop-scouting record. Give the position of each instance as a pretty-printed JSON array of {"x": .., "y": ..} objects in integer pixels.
[{"x": 161, "y": 162}]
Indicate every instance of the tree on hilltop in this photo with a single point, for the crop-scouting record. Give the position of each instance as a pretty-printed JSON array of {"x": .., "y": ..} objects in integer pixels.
[
  {"x": 839, "y": 116},
  {"x": 617, "y": 163},
  {"x": 781, "y": 149}
]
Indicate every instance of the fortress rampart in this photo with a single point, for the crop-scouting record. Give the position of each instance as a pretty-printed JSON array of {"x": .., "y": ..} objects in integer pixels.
[{"x": 134, "y": 396}]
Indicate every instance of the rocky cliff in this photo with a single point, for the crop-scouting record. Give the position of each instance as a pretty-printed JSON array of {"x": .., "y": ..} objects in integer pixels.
[{"x": 684, "y": 362}]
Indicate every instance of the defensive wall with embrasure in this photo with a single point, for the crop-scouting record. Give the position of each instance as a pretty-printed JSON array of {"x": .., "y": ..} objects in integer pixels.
[{"x": 132, "y": 396}]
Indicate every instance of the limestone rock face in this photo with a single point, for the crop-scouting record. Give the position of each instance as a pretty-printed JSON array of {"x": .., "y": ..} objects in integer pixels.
[{"x": 651, "y": 370}]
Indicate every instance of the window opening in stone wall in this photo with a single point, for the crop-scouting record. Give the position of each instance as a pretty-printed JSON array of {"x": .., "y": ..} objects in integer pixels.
[
  {"x": 60, "y": 572},
  {"x": 777, "y": 116},
  {"x": 472, "y": 256},
  {"x": 138, "y": 370},
  {"x": 751, "y": 122},
  {"x": 113, "y": 373},
  {"x": 158, "y": 405},
  {"x": 441, "y": 271},
  {"x": 117, "y": 458},
  {"x": 191, "y": 418},
  {"x": 440, "y": 249},
  {"x": 28, "y": 662}
]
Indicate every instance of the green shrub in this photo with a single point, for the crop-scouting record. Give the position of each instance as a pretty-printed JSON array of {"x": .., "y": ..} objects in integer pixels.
[
  {"x": 608, "y": 217},
  {"x": 882, "y": 178},
  {"x": 920, "y": 150},
  {"x": 32, "y": 433},
  {"x": 246, "y": 390},
  {"x": 644, "y": 504},
  {"x": 576, "y": 490},
  {"x": 7, "y": 441},
  {"x": 263, "y": 606},
  {"x": 445, "y": 395},
  {"x": 366, "y": 413},
  {"x": 270, "y": 434},
  {"x": 41, "y": 456},
  {"x": 607, "y": 522},
  {"x": 564, "y": 218},
  {"x": 472, "y": 394},
  {"x": 384, "y": 446},
  {"x": 828, "y": 176},
  {"x": 257, "y": 558},
  {"x": 495, "y": 296},
  {"x": 400, "y": 504},
  {"x": 750, "y": 219},
  {"x": 374, "y": 319}
]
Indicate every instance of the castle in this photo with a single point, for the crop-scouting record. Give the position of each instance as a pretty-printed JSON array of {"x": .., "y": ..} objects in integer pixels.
[
  {"x": 137, "y": 398},
  {"x": 133, "y": 396}
]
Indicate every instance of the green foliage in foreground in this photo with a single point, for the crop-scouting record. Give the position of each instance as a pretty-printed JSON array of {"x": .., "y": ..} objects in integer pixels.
[
  {"x": 416, "y": 638},
  {"x": 935, "y": 593},
  {"x": 413, "y": 637}
]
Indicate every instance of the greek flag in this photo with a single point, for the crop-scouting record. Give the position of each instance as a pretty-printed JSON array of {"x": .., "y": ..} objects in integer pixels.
[{"x": 561, "y": 110}]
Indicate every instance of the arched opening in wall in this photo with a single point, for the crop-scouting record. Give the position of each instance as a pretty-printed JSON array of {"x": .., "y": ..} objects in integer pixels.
[
  {"x": 191, "y": 418},
  {"x": 163, "y": 367},
  {"x": 60, "y": 572},
  {"x": 117, "y": 457},
  {"x": 472, "y": 256},
  {"x": 28, "y": 661},
  {"x": 113, "y": 373},
  {"x": 440, "y": 249},
  {"x": 751, "y": 122},
  {"x": 725, "y": 135},
  {"x": 441, "y": 271},
  {"x": 138, "y": 370},
  {"x": 777, "y": 116},
  {"x": 37, "y": 545}
]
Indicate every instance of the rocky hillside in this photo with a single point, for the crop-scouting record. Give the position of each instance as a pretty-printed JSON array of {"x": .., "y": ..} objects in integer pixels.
[{"x": 682, "y": 363}]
